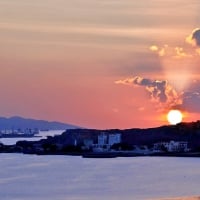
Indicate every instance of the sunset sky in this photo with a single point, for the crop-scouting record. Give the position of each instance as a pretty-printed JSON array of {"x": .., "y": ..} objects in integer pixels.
[{"x": 100, "y": 63}]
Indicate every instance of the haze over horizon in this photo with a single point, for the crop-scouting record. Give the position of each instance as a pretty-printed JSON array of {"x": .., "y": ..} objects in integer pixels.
[{"x": 100, "y": 64}]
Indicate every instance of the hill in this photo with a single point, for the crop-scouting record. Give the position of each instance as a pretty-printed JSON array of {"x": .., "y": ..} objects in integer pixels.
[
  {"x": 22, "y": 123},
  {"x": 173, "y": 140}
]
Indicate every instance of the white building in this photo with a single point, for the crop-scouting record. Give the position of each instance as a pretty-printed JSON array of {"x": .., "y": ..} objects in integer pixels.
[
  {"x": 102, "y": 139},
  {"x": 106, "y": 141},
  {"x": 177, "y": 146},
  {"x": 171, "y": 146},
  {"x": 114, "y": 139}
]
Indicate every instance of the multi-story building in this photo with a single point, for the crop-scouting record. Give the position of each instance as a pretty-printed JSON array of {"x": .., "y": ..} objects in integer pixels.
[
  {"x": 114, "y": 139},
  {"x": 171, "y": 146},
  {"x": 102, "y": 139}
]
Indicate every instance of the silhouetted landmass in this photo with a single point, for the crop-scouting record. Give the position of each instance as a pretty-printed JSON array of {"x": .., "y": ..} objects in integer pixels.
[
  {"x": 22, "y": 123},
  {"x": 189, "y": 132},
  {"x": 84, "y": 142}
]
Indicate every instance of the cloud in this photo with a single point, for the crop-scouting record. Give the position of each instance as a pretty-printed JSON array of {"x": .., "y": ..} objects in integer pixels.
[
  {"x": 161, "y": 92},
  {"x": 194, "y": 37},
  {"x": 154, "y": 48},
  {"x": 156, "y": 88},
  {"x": 161, "y": 51},
  {"x": 178, "y": 52},
  {"x": 127, "y": 81},
  {"x": 165, "y": 96},
  {"x": 170, "y": 52}
]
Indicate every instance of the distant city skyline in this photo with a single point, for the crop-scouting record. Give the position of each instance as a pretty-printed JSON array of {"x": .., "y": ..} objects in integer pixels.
[{"x": 100, "y": 64}]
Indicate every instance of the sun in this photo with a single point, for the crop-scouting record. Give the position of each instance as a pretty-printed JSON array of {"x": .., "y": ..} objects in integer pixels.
[{"x": 174, "y": 117}]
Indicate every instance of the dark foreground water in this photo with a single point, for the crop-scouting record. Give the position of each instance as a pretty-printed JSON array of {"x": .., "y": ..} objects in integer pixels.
[{"x": 31, "y": 177}]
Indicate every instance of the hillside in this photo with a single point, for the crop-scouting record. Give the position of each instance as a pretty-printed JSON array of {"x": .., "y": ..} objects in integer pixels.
[
  {"x": 22, "y": 123},
  {"x": 173, "y": 140},
  {"x": 189, "y": 132}
]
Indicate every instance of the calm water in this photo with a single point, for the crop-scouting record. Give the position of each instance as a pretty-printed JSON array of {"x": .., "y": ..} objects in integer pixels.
[
  {"x": 42, "y": 134},
  {"x": 31, "y": 177}
]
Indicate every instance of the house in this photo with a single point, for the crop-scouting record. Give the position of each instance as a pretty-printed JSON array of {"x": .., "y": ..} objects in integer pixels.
[{"x": 172, "y": 146}]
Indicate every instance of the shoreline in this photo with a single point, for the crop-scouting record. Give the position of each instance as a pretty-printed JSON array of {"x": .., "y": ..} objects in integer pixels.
[
  {"x": 29, "y": 148},
  {"x": 129, "y": 154},
  {"x": 114, "y": 154}
]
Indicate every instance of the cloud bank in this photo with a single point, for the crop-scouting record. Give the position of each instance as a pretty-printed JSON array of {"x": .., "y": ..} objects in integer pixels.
[
  {"x": 165, "y": 96},
  {"x": 161, "y": 92},
  {"x": 179, "y": 51},
  {"x": 178, "y": 64}
]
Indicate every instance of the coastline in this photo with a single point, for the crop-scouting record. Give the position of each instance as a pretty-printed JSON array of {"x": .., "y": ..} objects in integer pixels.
[
  {"x": 133, "y": 154},
  {"x": 24, "y": 147},
  {"x": 115, "y": 154}
]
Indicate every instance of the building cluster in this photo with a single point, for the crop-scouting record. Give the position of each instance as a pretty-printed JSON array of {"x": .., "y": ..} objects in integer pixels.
[
  {"x": 20, "y": 131},
  {"x": 172, "y": 146},
  {"x": 104, "y": 142}
]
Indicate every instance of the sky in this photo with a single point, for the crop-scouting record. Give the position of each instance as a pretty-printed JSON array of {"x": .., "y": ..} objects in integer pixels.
[{"x": 100, "y": 64}]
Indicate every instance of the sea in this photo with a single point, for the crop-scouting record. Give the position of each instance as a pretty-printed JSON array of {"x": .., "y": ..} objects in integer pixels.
[
  {"x": 41, "y": 135},
  {"x": 60, "y": 177}
]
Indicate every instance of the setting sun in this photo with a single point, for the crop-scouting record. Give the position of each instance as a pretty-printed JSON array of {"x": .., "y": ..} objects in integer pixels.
[{"x": 174, "y": 117}]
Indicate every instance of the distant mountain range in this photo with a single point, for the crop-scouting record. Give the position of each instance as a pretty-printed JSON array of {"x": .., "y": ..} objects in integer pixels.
[{"x": 22, "y": 123}]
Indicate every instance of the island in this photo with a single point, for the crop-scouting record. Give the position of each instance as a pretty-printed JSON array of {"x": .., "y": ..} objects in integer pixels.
[
  {"x": 182, "y": 139},
  {"x": 16, "y": 127}
]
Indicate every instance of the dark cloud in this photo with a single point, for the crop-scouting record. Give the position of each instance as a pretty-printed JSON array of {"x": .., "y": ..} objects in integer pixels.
[
  {"x": 165, "y": 96},
  {"x": 161, "y": 91},
  {"x": 194, "y": 37},
  {"x": 157, "y": 88}
]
